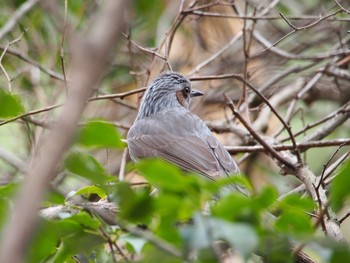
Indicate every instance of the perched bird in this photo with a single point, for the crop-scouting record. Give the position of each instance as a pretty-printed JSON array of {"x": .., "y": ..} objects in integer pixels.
[{"x": 165, "y": 128}]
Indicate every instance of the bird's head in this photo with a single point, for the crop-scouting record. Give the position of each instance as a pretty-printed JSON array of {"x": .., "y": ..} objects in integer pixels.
[{"x": 170, "y": 89}]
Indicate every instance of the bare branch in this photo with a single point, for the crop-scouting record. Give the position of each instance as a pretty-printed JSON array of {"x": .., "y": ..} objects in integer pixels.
[
  {"x": 329, "y": 126},
  {"x": 102, "y": 97},
  {"x": 262, "y": 97},
  {"x": 87, "y": 68},
  {"x": 27, "y": 59},
  {"x": 296, "y": 29},
  {"x": 12, "y": 159},
  {"x": 14, "y": 19},
  {"x": 331, "y": 224},
  {"x": 302, "y": 146},
  {"x": 267, "y": 147}
]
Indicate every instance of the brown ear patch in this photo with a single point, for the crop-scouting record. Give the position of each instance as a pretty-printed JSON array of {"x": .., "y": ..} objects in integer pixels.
[{"x": 180, "y": 97}]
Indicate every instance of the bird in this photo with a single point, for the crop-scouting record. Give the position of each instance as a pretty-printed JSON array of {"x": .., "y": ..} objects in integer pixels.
[{"x": 166, "y": 128}]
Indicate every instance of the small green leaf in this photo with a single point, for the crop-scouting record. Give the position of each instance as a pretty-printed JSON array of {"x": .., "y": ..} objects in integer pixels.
[
  {"x": 79, "y": 242},
  {"x": 234, "y": 207},
  {"x": 340, "y": 188},
  {"x": 266, "y": 197},
  {"x": 76, "y": 234},
  {"x": 135, "y": 205},
  {"x": 84, "y": 220},
  {"x": 166, "y": 176},
  {"x": 86, "y": 166},
  {"x": 10, "y": 104},
  {"x": 54, "y": 197},
  {"x": 92, "y": 189},
  {"x": 295, "y": 202},
  {"x": 295, "y": 223},
  {"x": 6, "y": 200},
  {"x": 276, "y": 247},
  {"x": 340, "y": 254},
  {"x": 100, "y": 134},
  {"x": 48, "y": 234}
]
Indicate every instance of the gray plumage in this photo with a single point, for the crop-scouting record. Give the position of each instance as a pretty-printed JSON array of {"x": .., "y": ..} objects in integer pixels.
[{"x": 166, "y": 128}]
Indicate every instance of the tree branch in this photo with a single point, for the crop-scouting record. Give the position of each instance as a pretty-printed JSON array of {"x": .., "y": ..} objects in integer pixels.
[{"x": 88, "y": 66}]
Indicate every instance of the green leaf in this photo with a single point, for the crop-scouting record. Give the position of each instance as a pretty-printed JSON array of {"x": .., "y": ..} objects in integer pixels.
[
  {"x": 10, "y": 105},
  {"x": 152, "y": 254},
  {"x": 87, "y": 167},
  {"x": 135, "y": 205},
  {"x": 266, "y": 197},
  {"x": 79, "y": 242},
  {"x": 92, "y": 189},
  {"x": 275, "y": 247},
  {"x": 100, "y": 134},
  {"x": 54, "y": 197},
  {"x": 295, "y": 202},
  {"x": 340, "y": 188},
  {"x": 295, "y": 223},
  {"x": 47, "y": 236},
  {"x": 166, "y": 176},
  {"x": 84, "y": 220},
  {"x": 234, "y": 207},
  {"x": 6, "y": 200},
  {"x": 340, "y": 254},
  {"x": 182, "y": 191},
  {"x": 78, "y": 233}
]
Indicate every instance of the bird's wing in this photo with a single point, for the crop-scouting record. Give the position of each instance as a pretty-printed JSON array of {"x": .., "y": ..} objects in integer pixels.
[
  {"x": 183, "y": 140},
  {"x": 227, "y": 164}
]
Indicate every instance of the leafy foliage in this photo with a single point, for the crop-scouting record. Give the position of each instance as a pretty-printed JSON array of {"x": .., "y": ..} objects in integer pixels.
[
  {"x": 340, "y": 187},
  {"x": 10, "y": 104},
  {"x": 86, "y": 166},
  {"x": 99, "y": 134},
  {"x": 175, "y": 216}
]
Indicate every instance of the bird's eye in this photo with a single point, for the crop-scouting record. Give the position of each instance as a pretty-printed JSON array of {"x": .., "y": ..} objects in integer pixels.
[{"x": 187, "y": 90}]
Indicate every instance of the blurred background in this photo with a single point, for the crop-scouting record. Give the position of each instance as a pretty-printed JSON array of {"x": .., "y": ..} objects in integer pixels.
[
  {"x": 296, "y": 53},
  {"x": 209, "y": 38}
]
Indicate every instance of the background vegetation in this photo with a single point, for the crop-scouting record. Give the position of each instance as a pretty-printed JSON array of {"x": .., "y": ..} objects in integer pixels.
[{"x": 277, "y": 87}]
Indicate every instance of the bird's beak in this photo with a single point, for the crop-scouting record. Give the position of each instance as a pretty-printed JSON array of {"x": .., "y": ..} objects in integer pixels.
[{"x": 196, "y": 93}]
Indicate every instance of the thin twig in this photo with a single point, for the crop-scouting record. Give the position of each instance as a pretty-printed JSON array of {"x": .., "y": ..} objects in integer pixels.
[
  {"x": 342, "y": 109},
  {"x": 262, "y": 97},
  {"x": 33, "y": 112},
  {"x": 103, "y": 97},
  {"x": 12, "y": 159},
  {"x": 342, "y": 8},
  {"x": 16, "y": 16},
  {"x": 3, "y": 69},
  {"x": 267, "y": 147},
  {"x": 296, "y": 29},
  {"x": 327, "y": 180},
  {"x": 87, "y": 71},
  {"x": 326, "y": 165},
  {"x": 62, "y": 45},
  {"x": 216, "y": 55},
  {"x": 145, "y": 50},
  {"x": 121, "y": 95},
  {"x": 345, "y": 216},
  {"x": 257, "y": 17},
  {"x": 331, "y": 224},
  {"x": 287, "y": 147},
  {"x": 159, "y": 243},
  {"x": 29, "y": 60}
]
